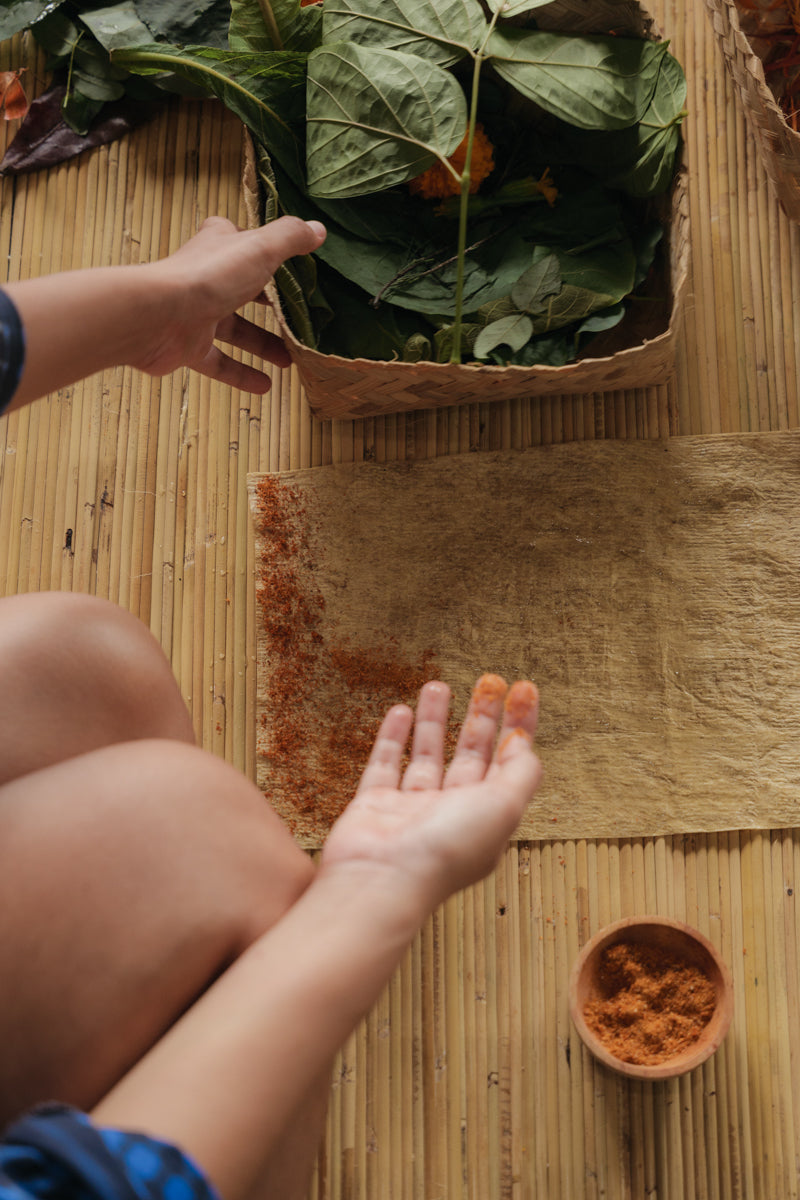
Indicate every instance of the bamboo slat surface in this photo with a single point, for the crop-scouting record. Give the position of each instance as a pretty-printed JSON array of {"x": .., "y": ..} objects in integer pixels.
[{"x": 466, "y": 1081}]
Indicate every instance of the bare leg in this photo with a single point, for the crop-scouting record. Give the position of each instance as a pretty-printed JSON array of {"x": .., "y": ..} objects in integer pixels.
[
  {"x": 135, "y": 867},
  {"x": 77, "y": 673}
]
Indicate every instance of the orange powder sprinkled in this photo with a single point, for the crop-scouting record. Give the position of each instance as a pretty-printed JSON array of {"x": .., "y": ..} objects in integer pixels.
[
  {"x": 651, "y": 1004},
  {"x": 322, "y": 701},
  {"x": 437, "y": 183},
  {"x": 521, "y": 699}
]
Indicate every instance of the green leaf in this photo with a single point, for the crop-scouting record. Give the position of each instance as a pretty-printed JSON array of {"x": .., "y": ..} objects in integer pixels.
[
  {"x": 550, "y": 350},
  {"x": 658, "y": 136},
  {"x": 21, "y": 14},
  {"x": 267, "y": 93},
  {"x": 441, "y": 32},
  {"x": 513, "y": 331},
  {"x": 639, "y": 160},
  {"x": 514, "y": 8},
  {"x": 591, "y": 82},
  {"x": 594, "y": 280},
  {"x": 542, "y": 279},
  {"x": 286, "y": 26},
  {"x": 357, "y": 330},
  {"x": 187, "y": 22},
  {"x": 376, "y": 118},
  {"x": 443, "y": 340},
  {"x": 57, "y": 35},
  {"x": 117, "y": 25},
  {"x": 605, "y": 318},
  {"x": 79, "y": 111},
  {"x": 94, "y": 87}
]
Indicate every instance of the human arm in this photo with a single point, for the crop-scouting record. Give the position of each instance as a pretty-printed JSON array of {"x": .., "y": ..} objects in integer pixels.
[
  {"x": 159, "y": 316},
  {"x": 224, "y": 1081}
]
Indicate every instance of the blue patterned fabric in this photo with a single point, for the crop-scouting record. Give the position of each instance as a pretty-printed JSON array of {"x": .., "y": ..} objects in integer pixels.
[
  {"x": 12, "y": 351},
  {"x": 58, "y": 1153}
]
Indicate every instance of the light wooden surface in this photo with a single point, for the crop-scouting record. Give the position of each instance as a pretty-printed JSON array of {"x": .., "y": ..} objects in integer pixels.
[{"x": 467, "y": 1080}]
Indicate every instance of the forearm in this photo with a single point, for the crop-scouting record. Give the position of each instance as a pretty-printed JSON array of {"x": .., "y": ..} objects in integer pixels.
[
  {"x": 224, "y": 1081},
  {"x": 81, "y": 322}
]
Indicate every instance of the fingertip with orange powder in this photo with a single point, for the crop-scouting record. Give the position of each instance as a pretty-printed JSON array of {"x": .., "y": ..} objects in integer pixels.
[
  {"x": 488, "y": 694},
  {"x": 521, "y": 701}
]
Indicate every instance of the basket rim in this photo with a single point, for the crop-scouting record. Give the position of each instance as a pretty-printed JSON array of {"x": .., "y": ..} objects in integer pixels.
[{"x": 678, "y": 198}]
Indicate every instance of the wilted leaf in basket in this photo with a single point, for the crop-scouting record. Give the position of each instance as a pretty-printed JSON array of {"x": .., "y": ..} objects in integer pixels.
[
  {"x": 443, "y": 33},
  {"x": 376, "y": 118},
  {"x": 593, "y": 83}
]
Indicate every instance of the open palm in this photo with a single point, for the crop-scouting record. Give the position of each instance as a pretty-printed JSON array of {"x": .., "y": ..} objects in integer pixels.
[{"x": 443, "y": 828}]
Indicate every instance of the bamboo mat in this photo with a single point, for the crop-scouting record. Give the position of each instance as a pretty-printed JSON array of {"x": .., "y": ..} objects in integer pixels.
[{"x": 467, "y": 1080}]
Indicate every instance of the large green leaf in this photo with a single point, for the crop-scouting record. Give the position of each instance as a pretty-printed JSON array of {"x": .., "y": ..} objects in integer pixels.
[
  {"x": 21, "y": 14},
  {"x": 441, "y": 32},
  {"x": 639, "y": 160},
  {"x": 266, "y": 92},
  {"x": 274, "y": 25},
  {"x": 658, "y": 136},
  {"x": 187, "y": 22},
  {"x": 421, "y": 276},
  {"x": 376, "y": 118},
  {"x": 591, "y": 82}
]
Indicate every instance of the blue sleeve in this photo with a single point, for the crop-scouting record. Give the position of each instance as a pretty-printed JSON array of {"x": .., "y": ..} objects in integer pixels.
[
  {"x": 12, "y": 351},
  {"x": 57, "y": 1152}
]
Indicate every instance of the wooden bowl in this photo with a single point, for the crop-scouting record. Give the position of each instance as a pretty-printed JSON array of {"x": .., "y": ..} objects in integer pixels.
[{"x": 675, "y": 939}]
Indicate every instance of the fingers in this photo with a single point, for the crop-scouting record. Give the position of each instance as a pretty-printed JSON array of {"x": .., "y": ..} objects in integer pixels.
[
  {"x": 476, "y": 741},
  {"x": 520, "y": 718},
  {"x": 427, "y": 751},
  {"x": 383, "y": 768},
  {"x": 236, "y": 331}
]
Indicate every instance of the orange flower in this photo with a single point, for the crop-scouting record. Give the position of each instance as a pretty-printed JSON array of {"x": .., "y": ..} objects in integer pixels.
[{"x": 437, "y": 182}]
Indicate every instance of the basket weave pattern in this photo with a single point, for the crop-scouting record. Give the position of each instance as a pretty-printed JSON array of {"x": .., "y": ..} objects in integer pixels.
[
  {"x": 347, "y": 388},
  {"x": 778, "y": 144}
]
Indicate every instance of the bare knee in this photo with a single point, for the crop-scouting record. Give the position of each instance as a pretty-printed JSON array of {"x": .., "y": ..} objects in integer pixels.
[
  {"x": 156, "y": 866},
  {"x": 76, "y": 673}
]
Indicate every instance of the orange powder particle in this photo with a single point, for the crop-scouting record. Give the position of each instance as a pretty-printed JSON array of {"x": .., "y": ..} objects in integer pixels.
[
  {"x": 651, "y": 1004},
  {"x": 437, "y": 183}
]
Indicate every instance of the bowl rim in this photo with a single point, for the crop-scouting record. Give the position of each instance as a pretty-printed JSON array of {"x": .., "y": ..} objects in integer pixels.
[{"x": 714, "y": 1032}]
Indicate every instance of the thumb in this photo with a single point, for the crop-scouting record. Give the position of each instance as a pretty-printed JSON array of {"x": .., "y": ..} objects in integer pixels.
[{"x": 285, "y": 238}]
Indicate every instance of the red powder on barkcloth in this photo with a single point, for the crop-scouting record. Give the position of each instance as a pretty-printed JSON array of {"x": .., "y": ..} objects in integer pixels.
[
  {"x": 651, "y": 1005},
  {"x": 322, "y": 701}
]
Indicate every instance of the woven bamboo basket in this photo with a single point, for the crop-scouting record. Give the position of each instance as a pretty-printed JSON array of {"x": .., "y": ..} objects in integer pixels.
[
  {"x": 778, "y": 144},
  {"x": 345, "y": 388}
]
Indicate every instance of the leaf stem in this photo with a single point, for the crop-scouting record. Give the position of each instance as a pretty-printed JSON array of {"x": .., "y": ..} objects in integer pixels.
[
  {"x": 463, "y": 208},
  {"x": 271, "y": 23}
]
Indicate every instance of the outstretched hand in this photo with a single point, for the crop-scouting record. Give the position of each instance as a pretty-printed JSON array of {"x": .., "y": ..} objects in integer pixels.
[
  {"x": 204, "y": 283},
  {"x": 443, "y": 829}
]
